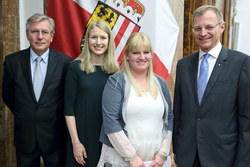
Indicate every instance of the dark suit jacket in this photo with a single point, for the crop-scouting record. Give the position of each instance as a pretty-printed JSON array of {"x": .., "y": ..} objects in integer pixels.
[
  {"x": 219, "y": 128},
  {"x": 35, "y": 122}
]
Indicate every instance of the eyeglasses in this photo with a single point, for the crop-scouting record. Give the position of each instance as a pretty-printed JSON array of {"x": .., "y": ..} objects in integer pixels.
[
  {"x": 208, "y": 27},
  {"x": 37, "y": 32}
]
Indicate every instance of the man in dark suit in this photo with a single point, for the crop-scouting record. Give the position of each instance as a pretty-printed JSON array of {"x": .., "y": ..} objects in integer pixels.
[
  {"x": 212, "y": 100},
  {"x": 39, "y": 125}
]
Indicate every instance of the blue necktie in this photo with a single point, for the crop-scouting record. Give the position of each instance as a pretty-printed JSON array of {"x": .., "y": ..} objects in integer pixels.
[
  {"x": 38, "y": 78},
  {"x": 203, "y": 77}
]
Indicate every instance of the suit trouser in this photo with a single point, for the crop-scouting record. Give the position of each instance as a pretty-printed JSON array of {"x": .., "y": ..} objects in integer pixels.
[{"x": 53, "y": 159}]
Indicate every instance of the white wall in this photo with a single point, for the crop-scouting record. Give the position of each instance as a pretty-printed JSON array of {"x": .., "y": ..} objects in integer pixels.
[
  {"x": 26, "y": 9},
  {"x": 243, "y": 18}
]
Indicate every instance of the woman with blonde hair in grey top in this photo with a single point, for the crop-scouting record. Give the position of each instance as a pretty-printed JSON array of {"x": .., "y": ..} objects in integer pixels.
[{"x": 137, "y": 115}]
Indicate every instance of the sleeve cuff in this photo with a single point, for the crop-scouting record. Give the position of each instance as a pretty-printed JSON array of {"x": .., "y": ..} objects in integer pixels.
[
  {"x": 161, "y": 155},
  {"x": 130, "y": 158}
]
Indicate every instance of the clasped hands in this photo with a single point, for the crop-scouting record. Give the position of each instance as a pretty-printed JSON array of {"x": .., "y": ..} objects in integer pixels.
[{"x": 138, "y": 162}]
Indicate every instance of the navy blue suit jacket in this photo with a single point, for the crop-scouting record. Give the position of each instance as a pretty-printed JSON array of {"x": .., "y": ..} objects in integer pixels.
[{"x": 219, "y": 128}]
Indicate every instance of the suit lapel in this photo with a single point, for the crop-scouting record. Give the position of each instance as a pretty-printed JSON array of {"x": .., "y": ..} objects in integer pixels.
[
  {"x": 218, "y": 67},
  {"x": 52, "y": 62},
  {"x": 193, "y": 74},
  {"x": 25, "y": 61}
]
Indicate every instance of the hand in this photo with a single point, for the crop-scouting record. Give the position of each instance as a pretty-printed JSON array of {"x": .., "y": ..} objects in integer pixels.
[
  {"x": 137, "y": 162},
  {"x": 174, "y": 158},
  {"x": 79, "y": 153},
  {"x": 157, "y": 161}
]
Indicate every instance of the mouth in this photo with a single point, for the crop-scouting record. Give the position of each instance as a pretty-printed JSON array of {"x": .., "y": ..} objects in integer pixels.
[
  {"x": 141, "y": 62},
  {"x": 98, "y": 47},
  {"x": 205, "y": 39},
  {"x": 39, "y": 43}
]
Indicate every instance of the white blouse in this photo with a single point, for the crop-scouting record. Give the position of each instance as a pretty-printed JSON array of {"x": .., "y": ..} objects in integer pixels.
[{"x": 144, "y": 123}]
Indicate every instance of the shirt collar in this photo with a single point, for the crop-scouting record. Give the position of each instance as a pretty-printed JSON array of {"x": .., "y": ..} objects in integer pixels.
[
  {"x": 213, "y": 52},
  {"x": 45, "y": 56}
]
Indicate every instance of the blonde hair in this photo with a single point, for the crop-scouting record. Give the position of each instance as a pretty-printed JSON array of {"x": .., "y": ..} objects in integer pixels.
[
  {"x": 134, "y": 43},
  {"x": 110, "y": 64}
]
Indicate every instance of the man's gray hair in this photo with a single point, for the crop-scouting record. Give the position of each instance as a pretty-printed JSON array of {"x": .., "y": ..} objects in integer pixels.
[{"x": 39, "y": 17}]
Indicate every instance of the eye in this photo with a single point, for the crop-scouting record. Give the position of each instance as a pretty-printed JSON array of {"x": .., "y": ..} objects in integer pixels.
[
  {"x": 44, "y": 32},
  {"x": 34, "y": 31},
  {"x": 134, "y": 53},
  {"x": 103, "y": 37},
  {"x": 197, "y": 29},
  {"x": 146, "y": 52},
  {"x": 209, "y": 27}
]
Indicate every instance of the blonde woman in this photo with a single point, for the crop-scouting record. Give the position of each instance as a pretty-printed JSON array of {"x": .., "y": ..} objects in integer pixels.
[
  {"x": 137, "y": 115},
  {"x": 85, "y": 80}
]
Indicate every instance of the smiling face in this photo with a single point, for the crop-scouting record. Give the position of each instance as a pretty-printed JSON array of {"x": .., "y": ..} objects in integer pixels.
[
  {"x": 139, "y": 60},
  {"x": 39, "y": 36},
  {"x": 98, "y": 41},
  {"x": 208, "y": 33}
]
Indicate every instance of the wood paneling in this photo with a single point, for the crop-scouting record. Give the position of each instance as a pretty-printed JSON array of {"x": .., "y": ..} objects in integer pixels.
[
  {"x": 226, "y": 11},
  {"x": 46, "y": 3}
]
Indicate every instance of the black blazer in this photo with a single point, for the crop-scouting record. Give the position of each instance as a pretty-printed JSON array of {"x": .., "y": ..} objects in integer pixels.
[
  {"x": 219, "y": 128},
  {"x": 35, "y": 122}
]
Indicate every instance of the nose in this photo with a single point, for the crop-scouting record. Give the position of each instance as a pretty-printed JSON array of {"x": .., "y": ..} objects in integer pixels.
[
  {"x": 203, "y": 31},
  {"x": 40, "y": 35},
  {"x": 98, "y": 41},
  {"x": 142, "y": 55}
]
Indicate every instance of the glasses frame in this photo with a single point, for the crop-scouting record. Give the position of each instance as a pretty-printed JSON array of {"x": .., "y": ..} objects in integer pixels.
[
  {"x": 198, "y": 29},
  {"x": 37, "y": 32}
]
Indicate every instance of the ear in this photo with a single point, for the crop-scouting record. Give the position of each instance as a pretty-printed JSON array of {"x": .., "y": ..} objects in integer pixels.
[
  {"x": 222, "y": 27},
  {"x": 52, "y": 35},
  {"x": 27, "y": 35},
  {"x": 126, "y": 57}
]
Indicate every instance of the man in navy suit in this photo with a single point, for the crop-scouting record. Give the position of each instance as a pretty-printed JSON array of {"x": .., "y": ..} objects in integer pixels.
[
  {"x": 213, "y": 130},
  {"x": 39, "y": 125}
]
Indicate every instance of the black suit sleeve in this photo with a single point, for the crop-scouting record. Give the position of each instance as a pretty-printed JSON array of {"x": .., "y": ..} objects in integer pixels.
[
  {"x": 8, "y": 88},
  {"x": 243, "y": 152},
  {"x": 177, "y": 104}
]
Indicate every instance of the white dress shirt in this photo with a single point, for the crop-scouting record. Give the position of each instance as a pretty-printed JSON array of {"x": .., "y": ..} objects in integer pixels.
[
  {"x": 214, "y": 54},
  {"x": 43, "y": 63}
]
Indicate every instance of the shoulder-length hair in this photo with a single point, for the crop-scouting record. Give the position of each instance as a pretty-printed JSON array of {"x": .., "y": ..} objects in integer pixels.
[
  {"x": 110, "y": 64},
  {"x": 134, "y": 43}
]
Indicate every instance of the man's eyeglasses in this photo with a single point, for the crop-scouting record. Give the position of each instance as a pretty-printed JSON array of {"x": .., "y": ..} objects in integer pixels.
[
  {"x": 208, "y": 27},
  {"x": 37, "y": 32}
]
